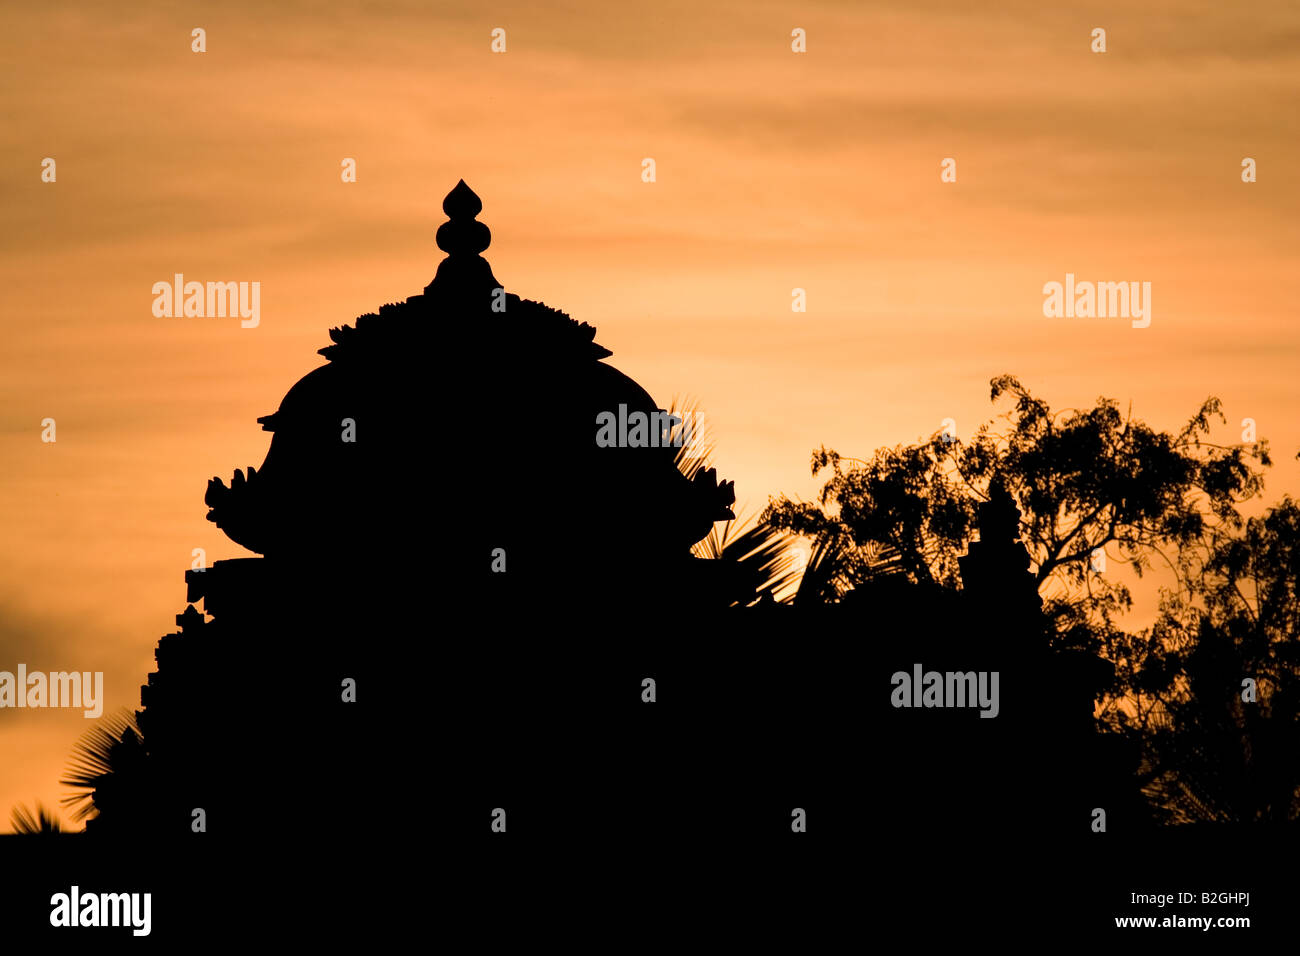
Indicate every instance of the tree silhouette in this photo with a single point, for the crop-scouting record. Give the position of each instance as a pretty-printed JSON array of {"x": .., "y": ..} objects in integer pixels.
[
  {"x": 1212, "y": 754},
  {"x": 1082, "y": 479}
]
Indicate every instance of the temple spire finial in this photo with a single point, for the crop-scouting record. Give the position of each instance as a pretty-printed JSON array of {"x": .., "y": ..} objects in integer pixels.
[
  {"x": 463, "y": 234},
  {"x": 462, "y": 202},
  {"x": 463, "y": 237}
]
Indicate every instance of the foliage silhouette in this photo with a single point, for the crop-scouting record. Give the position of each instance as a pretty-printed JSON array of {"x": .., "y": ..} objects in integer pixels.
[
  {"x": 1083, "y": 480},
  {"x": 38, "y": 822},
  {"x": 1210, "y": 755},
  {"x": 105, "y": 757}
]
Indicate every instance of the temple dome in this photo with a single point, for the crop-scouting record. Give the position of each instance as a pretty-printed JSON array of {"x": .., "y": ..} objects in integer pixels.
[{"x": 473, "y": 412}]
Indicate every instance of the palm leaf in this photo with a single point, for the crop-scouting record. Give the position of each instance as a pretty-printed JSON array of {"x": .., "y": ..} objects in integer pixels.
[
  {"x": 693, "y": 456},
  {"x": 40, "y": 822},
  {"x": 765, "y": 556},
  {"x": 99, "y": 753}
]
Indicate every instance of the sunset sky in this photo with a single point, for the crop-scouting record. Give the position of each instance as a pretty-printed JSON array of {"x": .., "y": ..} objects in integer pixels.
[{"x": 775, "y": 170}]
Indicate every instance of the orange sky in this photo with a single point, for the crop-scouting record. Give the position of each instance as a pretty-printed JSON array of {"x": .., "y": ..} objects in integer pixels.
[{"x": 775, "y": 170}]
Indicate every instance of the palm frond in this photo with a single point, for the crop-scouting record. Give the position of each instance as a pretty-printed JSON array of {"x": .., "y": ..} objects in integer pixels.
[
  {"x": 765, "y": 556},
  {"x": 96, "y": 756},
  {"x": 694, "y": 433},
  {"x": 822, "y": 581},
  {"x": 38, "y": 822}
]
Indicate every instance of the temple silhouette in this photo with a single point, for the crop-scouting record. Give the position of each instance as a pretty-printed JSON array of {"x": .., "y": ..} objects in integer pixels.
[
  {"x": 438, "y": 530},
  {"x": 438, "y": 472}
]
